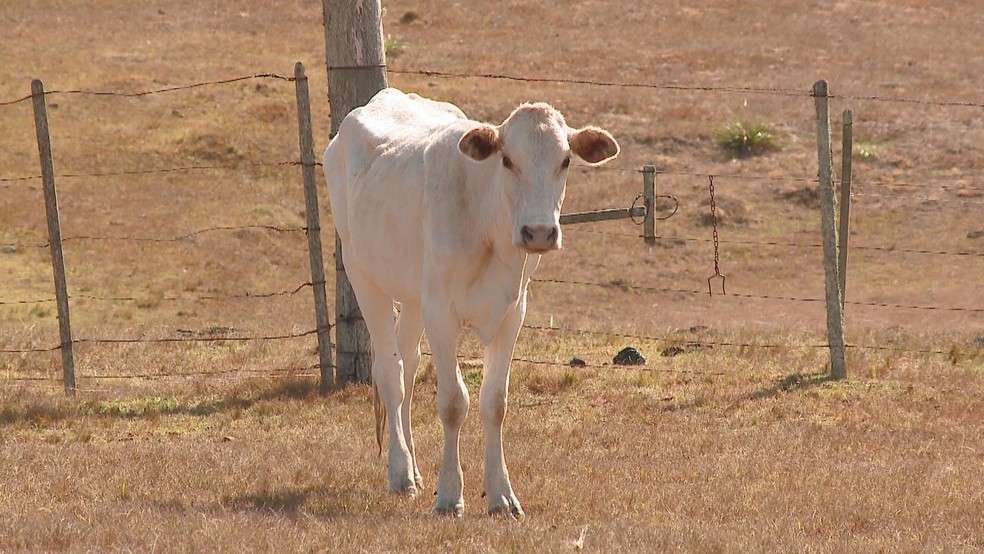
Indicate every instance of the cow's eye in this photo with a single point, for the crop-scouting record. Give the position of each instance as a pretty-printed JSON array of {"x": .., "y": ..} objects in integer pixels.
[
  {"x": 506, "y": 162},
  {"x": 566, "y": 163}
]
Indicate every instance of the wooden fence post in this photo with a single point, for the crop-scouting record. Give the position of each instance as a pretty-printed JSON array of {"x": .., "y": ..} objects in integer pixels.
[
  {"x": 847, "y": 152},
  {"x": 54, "y": 234},
  {"x": 313, "y": 227},
  {"x": 649, "y": 197},
  {"x": 835, "y": 316},
  {"x": 356, "y": 62}
]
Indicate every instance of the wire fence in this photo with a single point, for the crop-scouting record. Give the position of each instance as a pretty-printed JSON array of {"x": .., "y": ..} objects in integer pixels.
[
  {"x": 771, "y": 91},
  {"x": 634, "y": 288},
  {"x": 210, "y": 335}
]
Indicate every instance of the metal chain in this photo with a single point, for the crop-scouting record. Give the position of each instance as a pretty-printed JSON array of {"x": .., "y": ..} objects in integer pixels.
[
  {"x": 634, "y": 204},
  {"x": 714, "y": 228}
]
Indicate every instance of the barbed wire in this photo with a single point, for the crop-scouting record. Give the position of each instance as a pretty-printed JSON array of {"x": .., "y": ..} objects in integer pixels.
[
  {"x": 203, "y": 373},
  {"x": 625, "y": 286},
  {"x": 775, "y": 91},
  {"x": 702, "y": 342},
  {"x": 554, "y": 80},
  {"x": 287, "y": 336},
  {"x": 631, "y": 336},
  {"x": 181, "y": 238},
  {"x": 962, "y": 201},
  {"x": 289, "y": 292},
  {"x": 206, "y": 297},
  {"x": 149, "y": 171},
  {"x": 852, "y": 247},
  {"x": 24, "y": 302},
  {"x": 903, "y": 100},
  {"x": 276, "y": 76},
  {"x": 260, "y": 338},
  {"x": 943, "y": 186},
  {"x": 586, "y": 365},
  {"x": 29, "y": 350},
  {"x": 271, "y": 372},
  {"x": 784, "y": 178}
]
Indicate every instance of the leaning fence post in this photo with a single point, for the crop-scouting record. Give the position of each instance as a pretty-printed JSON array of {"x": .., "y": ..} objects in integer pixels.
[
  {"x": 835, "y": 316},
  {"x": 54, "y": 234},
  {"x": 313, "y": 228},
  {"x": 847, "y": 151},
  {"x": 649, "y": 198}
]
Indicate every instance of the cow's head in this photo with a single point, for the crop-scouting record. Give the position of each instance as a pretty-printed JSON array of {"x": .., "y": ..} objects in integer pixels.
[{"x": 534, "y": 147}]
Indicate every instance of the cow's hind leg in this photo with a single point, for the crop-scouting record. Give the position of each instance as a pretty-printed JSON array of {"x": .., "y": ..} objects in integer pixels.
[
  {"x": 452, "y": 403},
  {"x": 387, "y": 375},
  {"x": 410, "y": 327},
  {"x": 492, "y": 405}
]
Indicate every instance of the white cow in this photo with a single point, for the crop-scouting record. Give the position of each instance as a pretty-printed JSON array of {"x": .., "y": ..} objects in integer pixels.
[{"x": 448, "y": 217}]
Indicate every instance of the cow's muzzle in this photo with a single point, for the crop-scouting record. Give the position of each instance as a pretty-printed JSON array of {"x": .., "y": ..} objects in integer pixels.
[{"x": 539, "y": 238}]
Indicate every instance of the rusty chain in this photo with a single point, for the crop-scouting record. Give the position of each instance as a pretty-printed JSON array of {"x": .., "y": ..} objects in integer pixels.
[{"x": 714, "y": 229}]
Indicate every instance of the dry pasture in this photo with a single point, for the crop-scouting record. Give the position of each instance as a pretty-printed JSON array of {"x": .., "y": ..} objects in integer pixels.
[{"x": 740, "y": 444}]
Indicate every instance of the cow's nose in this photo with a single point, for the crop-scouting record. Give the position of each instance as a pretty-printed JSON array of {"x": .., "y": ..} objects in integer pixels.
[{"x": 540, "y": 238}]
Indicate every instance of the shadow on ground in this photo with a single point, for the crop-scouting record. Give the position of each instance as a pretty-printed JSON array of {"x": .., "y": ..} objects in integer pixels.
[
  {"x": 47, "y": 410},
  {"x": 793, "y": 382}
]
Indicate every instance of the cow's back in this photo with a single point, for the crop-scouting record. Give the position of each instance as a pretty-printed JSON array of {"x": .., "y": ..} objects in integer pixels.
[{"x": 375, "y": 173}]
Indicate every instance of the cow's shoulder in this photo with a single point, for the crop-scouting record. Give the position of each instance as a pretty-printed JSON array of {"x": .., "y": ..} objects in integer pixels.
[{"x": 394, "y": 115}]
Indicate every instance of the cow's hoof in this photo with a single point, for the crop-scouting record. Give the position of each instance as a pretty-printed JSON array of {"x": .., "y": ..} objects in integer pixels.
[
  {"x": 410, "y": 492},
  {"x": 455, "y": 510},
  {"x": 404, "y": 487},
  {"x": 507, "y": 508}
]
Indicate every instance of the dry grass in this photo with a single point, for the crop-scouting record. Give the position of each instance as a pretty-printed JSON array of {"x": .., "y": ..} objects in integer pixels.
[
  {"x": 226, "y": 446},
  {"x": 712, "y": 450}
]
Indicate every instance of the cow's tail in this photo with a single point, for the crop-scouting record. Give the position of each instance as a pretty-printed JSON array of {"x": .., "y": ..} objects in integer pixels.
[{"x": 379, "y": 410}]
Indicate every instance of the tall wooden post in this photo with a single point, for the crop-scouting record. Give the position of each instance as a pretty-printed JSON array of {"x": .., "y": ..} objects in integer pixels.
[
  {"x": 356, "y": 72},
  {"x": 313, "y": 227},
  {"x": 649, "y": 197},
  {"x": 844, "y": 227},
  {"x": 54, "y": 234},
  {"x": 835, "y": 315}
]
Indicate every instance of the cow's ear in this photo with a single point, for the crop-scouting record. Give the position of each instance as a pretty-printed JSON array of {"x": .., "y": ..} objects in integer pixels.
[
  {"x": 593, "y": 145},
  {"x": 480, "y": 143}
]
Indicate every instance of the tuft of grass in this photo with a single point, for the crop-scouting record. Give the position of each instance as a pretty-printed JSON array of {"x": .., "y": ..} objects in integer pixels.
[
  {"x": 744, "y": 138},
  {"x": 865, "y": 150},
  {"x": 141, "y": 407},
  {"x": 393, "y": 46},
  {"x": 552, "y": 382}
]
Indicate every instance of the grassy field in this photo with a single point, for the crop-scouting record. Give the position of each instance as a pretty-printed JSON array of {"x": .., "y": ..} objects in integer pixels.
[{"x": 737, "y": 443}]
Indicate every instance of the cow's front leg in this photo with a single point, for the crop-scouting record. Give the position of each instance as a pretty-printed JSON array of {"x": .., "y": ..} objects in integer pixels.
[
  {"x": 492, "y": 404},
  {"x": 452, "y": 403}
]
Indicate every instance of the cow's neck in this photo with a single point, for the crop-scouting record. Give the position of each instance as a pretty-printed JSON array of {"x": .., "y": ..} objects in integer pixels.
[
  {"x": 500, "y": 221},
  {"x": 495, "y": 279}
]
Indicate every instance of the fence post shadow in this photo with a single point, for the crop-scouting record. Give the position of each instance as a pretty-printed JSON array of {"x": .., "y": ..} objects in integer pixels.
[{"x": 793, "y": 382}]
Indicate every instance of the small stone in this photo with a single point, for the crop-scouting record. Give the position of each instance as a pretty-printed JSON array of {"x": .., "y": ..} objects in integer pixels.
[
  {"x": 975, "y": 234},
  {"x": 578, "y": 362},
  {"x": 629, "y": 356},
  {"x": 674, "y": 350},
  {"x": 9, "y": 250}
]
